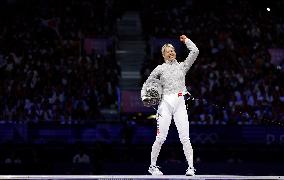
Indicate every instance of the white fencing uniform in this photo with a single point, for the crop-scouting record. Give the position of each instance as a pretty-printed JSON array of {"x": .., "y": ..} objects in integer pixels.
[{"x": 172, "y": 77}]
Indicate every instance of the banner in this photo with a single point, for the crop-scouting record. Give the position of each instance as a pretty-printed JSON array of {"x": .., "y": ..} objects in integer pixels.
[
  {"x": 277, "y": 55},
  {"x": 143, "y": 134},
  {"x": 98, "y": 45}
]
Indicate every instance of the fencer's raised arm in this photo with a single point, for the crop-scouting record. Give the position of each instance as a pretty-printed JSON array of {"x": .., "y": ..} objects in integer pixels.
[
  {"x": 155, "y": 74},
  {"x": 191, "y": 56}
]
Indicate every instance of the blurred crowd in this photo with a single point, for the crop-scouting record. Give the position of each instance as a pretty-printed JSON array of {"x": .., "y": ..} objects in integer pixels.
[
  {"x": 45, "y": 73},
  {"x": 233, "y": 80}
]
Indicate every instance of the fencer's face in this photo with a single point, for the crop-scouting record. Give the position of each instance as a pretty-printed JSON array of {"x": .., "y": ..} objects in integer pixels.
[{"x": 169, "y": 54}]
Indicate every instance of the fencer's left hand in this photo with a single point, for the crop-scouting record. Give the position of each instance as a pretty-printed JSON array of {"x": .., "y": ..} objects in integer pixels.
[
  {"x": 147, "y": 102},
  {"x": 182, "y": 38}
]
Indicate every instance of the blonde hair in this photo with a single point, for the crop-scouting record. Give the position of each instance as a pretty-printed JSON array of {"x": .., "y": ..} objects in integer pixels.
[{"x": 164, "y": 47}]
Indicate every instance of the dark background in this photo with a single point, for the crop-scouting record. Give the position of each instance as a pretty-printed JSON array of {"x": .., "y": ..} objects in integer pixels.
[{"x": 71, "y": 73}]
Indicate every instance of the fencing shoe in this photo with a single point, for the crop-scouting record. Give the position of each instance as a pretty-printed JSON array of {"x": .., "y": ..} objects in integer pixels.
[
  {"x": 190, "y": 171},
  {"x": 154, "y": 170}
]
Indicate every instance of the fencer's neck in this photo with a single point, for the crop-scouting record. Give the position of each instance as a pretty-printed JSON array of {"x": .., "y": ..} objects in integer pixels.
[{"x": 170, "y": 61}]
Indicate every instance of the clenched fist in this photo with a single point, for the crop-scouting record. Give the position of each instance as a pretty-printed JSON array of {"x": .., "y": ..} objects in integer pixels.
[{"x": 182, "y": 38}]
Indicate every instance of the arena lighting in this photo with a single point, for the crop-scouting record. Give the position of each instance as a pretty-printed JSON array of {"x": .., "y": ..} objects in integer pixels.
[{"x": 268, "y": 9}]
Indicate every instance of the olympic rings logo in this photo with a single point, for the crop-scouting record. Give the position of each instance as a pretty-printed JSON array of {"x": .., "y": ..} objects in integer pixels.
[{"x": 204, "y": 138}]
